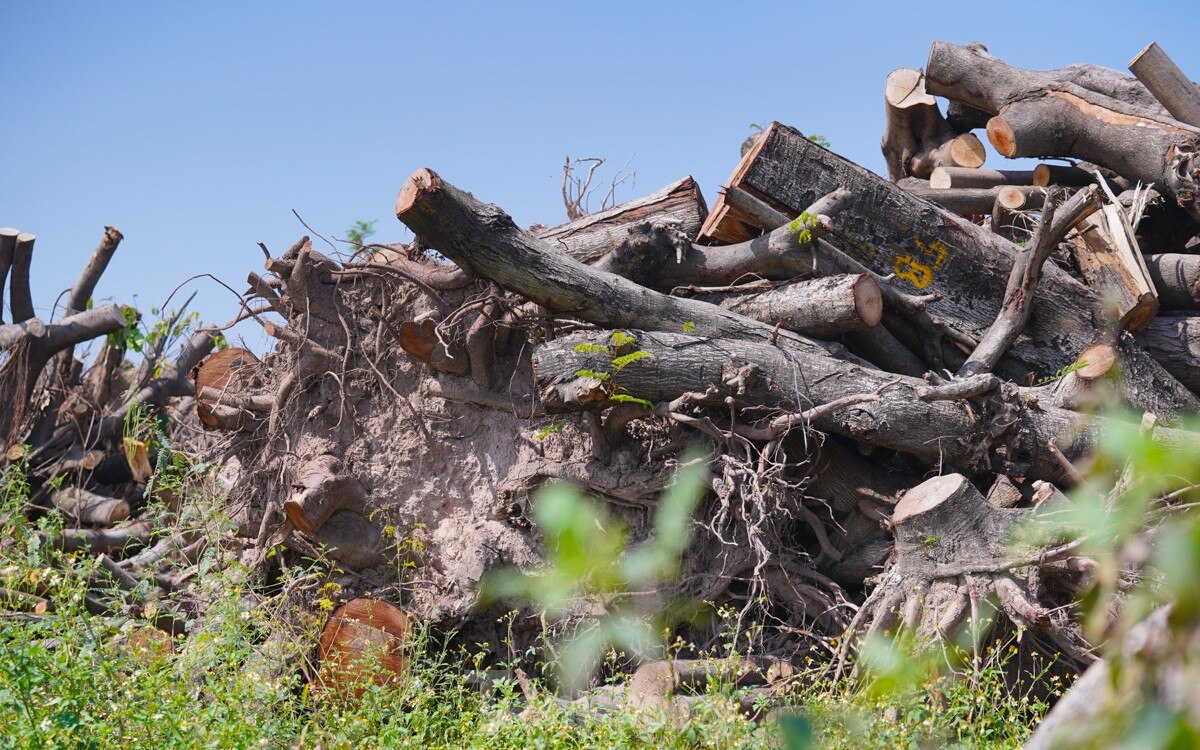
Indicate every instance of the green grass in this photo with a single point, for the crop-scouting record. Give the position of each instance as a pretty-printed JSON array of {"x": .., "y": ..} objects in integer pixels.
[{"x": 71, "y": 679}]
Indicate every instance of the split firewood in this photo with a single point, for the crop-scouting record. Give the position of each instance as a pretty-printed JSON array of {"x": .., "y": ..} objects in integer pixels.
[
  {"x": 918, "y": 139},
  {"x": 1107, "y": 254}
]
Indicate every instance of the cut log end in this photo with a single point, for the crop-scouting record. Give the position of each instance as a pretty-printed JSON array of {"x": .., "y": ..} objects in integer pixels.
[
  {"x": 968, "y": 151},
  {"x": 1012, "y": 197},
  {"x": 868, "y": 300},
  {"x": 905, "y": 88},
  {"x": 1096, "y": 361},
  {"x": 363, "y": 643},
  {"x": 422, "y": 181},
  {"x": 1002, "y": 137},
  {"x": 926, "y": 496}
]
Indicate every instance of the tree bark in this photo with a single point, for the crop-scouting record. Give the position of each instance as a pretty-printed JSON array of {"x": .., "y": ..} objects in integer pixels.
[
  {"x": 22, "y": 295},
  {"x": 85, "y": 285},
  {"x": 821, "y": 307},
  {"x": 589, "y": 238},
  {"x": 918, "y": 139},
  {"x": 1134, "y": 141},
  {"x": 1175, "y": 342},
  {"x": 945, "y": 178},
  {"x": 930, "y": 250},
  {"x": 1176, "y": 277},
  {"x": 792, "y": 380},
  {"x": 1154, "y": 68}
]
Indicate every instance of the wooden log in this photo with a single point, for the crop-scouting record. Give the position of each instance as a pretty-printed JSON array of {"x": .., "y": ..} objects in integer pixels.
[
  {"x": 590, "y": 237},
  {"x": 892, "y": 231},
  {"x": 1018, "y": 295},
  {"x": 973, "y": 201},
  {"x": 91, "y": 508},
  {"x": 321, "y": 488},
  {"x": 1077, "y": 389},
  {"x": 419, "y": 339},
  {"x": 1167, "y": 82},
  {"x": 1176, "y": 276},
  {"x": 880, "y": 345},
  {"x": 1107, "y": 254},
  {"x": 821, "y": 307},
  {"x": 1015, "y": 198},
  {"x": 1051, "y": 174},
  {"x": 793, "y": 380},
  {"x": 12, "y": 600},
  {"x": 85, "y": 285},
  {"x": 917, "y": 138},
  {"x": 364, "y": 643},
  {"x": 1175, "y": 341},
  {"x": 885, "y": 350},
  {"x": 22, "y": 296},
  {"x": 231, "y": 369},
  {"x": 483, "y": 240},
  {"x": 8, "y": 243},
  {"x": 964, "y": 118},
  {"x": 127, "y": 537},
  {"x": 1134, "y": 141},
  {"x": 945, "y": 178}
]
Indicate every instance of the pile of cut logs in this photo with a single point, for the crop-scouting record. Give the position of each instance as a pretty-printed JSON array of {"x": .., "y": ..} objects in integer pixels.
[{"x": 835, "y": 338}]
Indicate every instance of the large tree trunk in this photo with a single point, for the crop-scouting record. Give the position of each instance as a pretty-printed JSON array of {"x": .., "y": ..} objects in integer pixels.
[
  {"x": 932, "y": 251},
  {"x": 1126, "y": 135},
  {"x": 484, "y": 240},
  {"x": 1010, "y": 434}
]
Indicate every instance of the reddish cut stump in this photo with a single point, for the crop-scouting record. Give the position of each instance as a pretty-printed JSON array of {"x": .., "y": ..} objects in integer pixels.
[
  {"x": 363, "y": 643},
  {"x": 226, "y": 368}
]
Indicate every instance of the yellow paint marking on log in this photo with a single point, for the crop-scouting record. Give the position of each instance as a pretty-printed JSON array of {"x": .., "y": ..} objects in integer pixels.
[
  {"x": 912, "y": 270},
  {"x": 936, "y": 250}
]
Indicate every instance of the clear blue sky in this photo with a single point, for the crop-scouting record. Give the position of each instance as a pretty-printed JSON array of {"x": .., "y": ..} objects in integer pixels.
[{"x": 196, "y": 128}]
